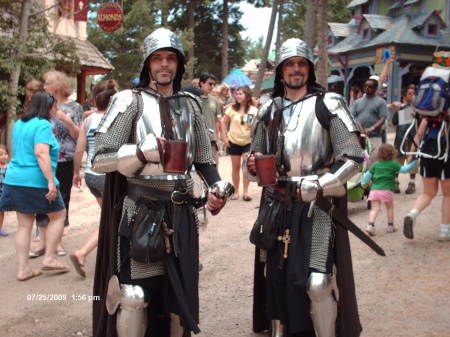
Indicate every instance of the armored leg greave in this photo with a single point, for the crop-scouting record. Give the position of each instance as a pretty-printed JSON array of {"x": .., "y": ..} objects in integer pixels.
[
  {"x": 132, "y": 314},
  {"x": 323, "y": 304},
  {"x": 278, "y": 328}
]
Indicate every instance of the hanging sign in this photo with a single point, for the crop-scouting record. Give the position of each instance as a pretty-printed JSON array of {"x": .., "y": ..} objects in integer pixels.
[
  {"x": 110, "y": 16},
  {"x": 81, "y": 10}
]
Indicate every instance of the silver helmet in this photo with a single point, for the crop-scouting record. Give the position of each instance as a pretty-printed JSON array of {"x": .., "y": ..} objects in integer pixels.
[
  {"x": 295, "y": 47},
  {"x": 162, "y": 38},
  {"x": 291, "y": 48}
]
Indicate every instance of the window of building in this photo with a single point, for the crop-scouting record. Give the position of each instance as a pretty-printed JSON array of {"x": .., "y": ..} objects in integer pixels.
[
  {"x": 366, "y": 33},
  {"x": 432, "y": 29}
]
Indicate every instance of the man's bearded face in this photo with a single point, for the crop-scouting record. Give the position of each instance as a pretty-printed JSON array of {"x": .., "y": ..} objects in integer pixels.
[
  {"x": 163, "y": 66},
  {"x": 295, "y": 72}
]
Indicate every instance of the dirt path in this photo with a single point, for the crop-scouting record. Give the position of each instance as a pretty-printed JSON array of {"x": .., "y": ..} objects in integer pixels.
[{"x": 405, "y": 294}]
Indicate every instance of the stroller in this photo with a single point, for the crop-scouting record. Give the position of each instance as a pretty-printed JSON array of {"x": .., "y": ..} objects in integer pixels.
[{"x": 355, "y": 192}]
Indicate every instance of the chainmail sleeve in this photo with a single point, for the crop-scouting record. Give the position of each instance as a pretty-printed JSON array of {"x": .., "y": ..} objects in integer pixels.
[
  {"x": 119, "y": 131},
  {"x": 202, "y": 153},
  {"x": 259, "y": 132},
  {"x": 259, "y": 138},
  {"x": 345, "y": 143}
]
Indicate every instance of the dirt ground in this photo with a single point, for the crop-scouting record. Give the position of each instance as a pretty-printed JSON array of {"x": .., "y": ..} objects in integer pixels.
[{"x": 405, "y": 294}]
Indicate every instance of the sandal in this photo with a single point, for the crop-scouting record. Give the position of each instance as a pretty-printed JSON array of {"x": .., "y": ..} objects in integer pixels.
[
  {"x": 235, "y": 197},
  {"x": 36, "y": 253},
  {"x": 79, "y": 267},
  {"x": 247, "y": 198},
  {"x": 34, "y": 273}
]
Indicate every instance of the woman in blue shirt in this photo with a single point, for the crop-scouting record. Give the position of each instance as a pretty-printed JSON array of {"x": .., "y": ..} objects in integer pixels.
[{"x": 30, "y": 184}]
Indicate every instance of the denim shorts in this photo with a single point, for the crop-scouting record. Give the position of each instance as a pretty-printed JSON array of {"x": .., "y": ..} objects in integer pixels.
[
  {"x": 95, "y": 183},
  {"x": 29, "y": 200}
]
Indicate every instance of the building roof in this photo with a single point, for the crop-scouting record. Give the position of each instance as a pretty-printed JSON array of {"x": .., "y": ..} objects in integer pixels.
[
  {"x": 355, "y": 3},
  {"x": 89, "y": 55},
  {"x": 341, "y": 29},
  {"x": 379, "y": 21},
  {"x": 401, "y": 32}
]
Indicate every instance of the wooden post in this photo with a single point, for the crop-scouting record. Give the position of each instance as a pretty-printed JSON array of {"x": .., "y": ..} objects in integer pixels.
[{"x": 81, "y": 87}]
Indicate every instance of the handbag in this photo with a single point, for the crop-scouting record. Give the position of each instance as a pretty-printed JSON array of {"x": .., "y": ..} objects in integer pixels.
[
  {"x": 265, "y": 230},
  {"x": 147, "y": 242}
]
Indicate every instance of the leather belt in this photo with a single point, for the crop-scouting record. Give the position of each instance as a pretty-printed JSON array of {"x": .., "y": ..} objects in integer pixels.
[{"x": 178, "y": 197}]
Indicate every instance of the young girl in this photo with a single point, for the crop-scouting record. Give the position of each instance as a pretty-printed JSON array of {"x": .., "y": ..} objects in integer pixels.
[
  {"x": 382, "y": 172},
  {"x": 3, "y": 165}
]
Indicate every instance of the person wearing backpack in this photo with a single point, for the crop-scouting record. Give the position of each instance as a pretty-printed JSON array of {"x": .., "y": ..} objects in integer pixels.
[
  {"x": 403, "y": 115},
  {"x": 432, "y": 103}
]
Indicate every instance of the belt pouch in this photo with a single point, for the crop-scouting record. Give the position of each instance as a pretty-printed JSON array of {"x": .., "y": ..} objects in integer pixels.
[
  {"x": 265, "y": 230},
  {"x": 147, "y": 237}
]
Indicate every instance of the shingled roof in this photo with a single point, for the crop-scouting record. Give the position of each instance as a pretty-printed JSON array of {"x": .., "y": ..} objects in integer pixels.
[
  {"x": 355, "y": 3},
  {"x": 379, "y": 21},
  {"x": 89, "y": 55},
  {"x": 401, "y": 32},
  {"x": 341, "y": 29}
]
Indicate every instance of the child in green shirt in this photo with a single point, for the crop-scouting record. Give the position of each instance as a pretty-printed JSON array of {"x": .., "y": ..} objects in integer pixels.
[{"x": 382, "y": 173}]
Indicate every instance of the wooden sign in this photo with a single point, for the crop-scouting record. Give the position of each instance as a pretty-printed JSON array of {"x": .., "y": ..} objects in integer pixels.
[{"x": 110, "y": 16}]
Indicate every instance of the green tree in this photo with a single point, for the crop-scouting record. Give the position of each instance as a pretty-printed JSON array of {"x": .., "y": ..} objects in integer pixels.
[
  {"x": 28, "y": 50},
  {"x": 123, "y": 47},
  {"x": 208, "y": 35},
  {"x": 294, "y": 13}
]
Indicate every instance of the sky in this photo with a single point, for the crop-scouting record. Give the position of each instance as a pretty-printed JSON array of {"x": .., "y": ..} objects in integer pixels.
[{"x": 256, "y": 22}]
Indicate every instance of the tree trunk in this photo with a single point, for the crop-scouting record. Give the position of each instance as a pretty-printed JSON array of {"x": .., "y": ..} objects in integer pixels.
[
  {"x": 310, "y": 23},
  {"x": 165, "y": 13},
  {"x": 191, "y": 27},
  {"x": 279, "y": 31},
  {"x": 13, "y": 82},
  {"x": 262, "y": 66},
  {"x": 322, "y": 64},
  {"x": 225, "y": 39}
]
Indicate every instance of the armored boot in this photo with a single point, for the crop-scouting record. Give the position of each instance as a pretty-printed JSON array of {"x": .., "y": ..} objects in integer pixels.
[
  {"x": 132, "y": 314},
  {"x": 278, "y": 328},
  {"x": 176, "y": 330},
  {"x": 323, "y": 303}
]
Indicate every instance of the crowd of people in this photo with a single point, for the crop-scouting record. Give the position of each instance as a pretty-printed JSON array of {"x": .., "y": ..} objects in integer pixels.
[{"x": 141, "y": 145}]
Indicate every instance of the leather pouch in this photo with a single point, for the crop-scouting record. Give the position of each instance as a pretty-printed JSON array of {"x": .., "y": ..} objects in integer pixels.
[
  {"x": 265, "y": 230},
  {"x": 147, "y": 237}
]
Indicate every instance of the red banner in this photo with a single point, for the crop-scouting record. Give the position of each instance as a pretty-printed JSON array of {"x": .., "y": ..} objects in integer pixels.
[{"x": 81, "y": 10}]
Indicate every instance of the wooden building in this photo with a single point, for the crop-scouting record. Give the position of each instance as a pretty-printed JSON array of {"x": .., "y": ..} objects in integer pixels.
[{"x": 412, "y": 30}]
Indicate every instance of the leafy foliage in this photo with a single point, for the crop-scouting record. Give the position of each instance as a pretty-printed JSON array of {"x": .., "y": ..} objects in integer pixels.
[
  {"x": 40, "y": 52},
  {"x": 208, "y": 36},
  {"x": 294, "y": 13},
  {"x": 123, "y": 47}
]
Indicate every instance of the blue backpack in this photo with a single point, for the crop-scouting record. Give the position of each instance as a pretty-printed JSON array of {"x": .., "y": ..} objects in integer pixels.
[{"x": 432, "y": 98}]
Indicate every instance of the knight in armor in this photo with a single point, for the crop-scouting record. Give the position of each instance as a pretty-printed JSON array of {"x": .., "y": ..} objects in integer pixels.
[
  {"x": 303, "y": 270},
  {"x": 149, "y": 139}
]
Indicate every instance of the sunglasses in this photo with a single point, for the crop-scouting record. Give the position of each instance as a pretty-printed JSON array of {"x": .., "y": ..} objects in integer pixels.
[
  {"x": 242, "y": 119},
  {"x": 370, "y": 86}
]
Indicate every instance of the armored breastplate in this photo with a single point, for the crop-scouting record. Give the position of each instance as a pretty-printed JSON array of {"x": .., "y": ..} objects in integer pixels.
[
  {"x": 182, "y": 110},
  {"x": 307, "y": 148}
]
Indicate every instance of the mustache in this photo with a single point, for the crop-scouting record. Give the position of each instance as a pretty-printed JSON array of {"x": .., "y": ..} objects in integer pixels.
[
  {"x": 164, "y": 70},
  {"x": 297, "y": 73}
]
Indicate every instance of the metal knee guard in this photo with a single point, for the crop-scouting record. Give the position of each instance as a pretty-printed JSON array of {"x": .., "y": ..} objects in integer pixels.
[
  {"x": 132, "y": 314},
  {"x": 176, "y": 330},
  {"x": 323, "y": 304},
  {"x": 278, "y": 328}
]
